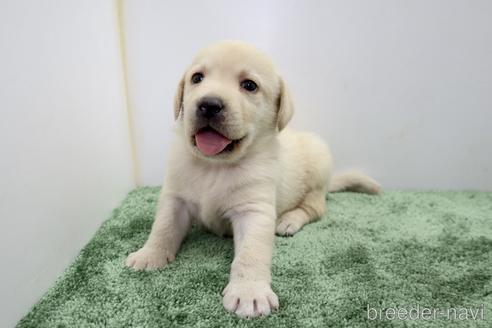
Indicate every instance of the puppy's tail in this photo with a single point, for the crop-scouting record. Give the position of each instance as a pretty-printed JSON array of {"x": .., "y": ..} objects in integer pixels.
[{"x": 353, "y": 181}]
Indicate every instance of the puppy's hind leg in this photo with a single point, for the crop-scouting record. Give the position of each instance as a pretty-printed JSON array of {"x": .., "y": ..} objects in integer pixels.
[{"x": 311, "y": 208}]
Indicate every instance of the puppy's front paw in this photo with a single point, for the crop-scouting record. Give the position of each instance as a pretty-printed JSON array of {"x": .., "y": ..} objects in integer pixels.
[
  {"x": 249, "y": 299},
  {"x": 147, "y": 258}
]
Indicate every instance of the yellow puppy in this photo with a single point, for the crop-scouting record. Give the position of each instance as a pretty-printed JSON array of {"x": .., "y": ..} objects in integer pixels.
[{"x": 235, "y": 170}]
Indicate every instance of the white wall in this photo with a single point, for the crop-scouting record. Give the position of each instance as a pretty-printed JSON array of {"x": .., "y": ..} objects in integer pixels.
[
  {"x": 401, "y": 89},
  {"x": 65, "y": 159}
]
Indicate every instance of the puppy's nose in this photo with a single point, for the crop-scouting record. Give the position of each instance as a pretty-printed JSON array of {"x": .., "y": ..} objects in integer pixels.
[{"x": 209, "y": 107}]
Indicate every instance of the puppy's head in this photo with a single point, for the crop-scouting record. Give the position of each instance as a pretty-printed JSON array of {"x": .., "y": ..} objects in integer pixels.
[{"x": 230, "y": 99}]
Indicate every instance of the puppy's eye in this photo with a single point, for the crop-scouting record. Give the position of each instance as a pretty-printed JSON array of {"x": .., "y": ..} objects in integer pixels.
[
  {"x": 249, "y": 85},
  {"x": 197, "y": 78}
]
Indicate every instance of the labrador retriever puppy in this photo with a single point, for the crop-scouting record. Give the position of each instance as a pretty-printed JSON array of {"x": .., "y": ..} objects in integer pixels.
[{"x": 236, "y": 170}]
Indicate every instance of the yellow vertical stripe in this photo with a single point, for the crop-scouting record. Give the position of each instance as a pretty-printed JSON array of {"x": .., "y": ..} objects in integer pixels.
[{"x": 128, "y": 105}]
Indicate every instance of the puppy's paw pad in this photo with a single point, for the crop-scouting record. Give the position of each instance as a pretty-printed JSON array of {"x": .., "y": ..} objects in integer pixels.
[
  {"x": 250, "y": 299},
  {"x": 288, "y": 226},
  {"x": 147, "y": 258}
]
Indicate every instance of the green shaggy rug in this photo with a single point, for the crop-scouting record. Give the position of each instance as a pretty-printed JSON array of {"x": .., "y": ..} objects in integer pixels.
[{"x": 369, "y": 259}]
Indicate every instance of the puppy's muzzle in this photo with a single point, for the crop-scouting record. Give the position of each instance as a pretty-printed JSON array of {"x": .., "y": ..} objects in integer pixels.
[{"x": 209, "y": 107}]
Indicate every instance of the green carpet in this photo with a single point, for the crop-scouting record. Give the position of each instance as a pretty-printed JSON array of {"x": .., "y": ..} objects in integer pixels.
[{"x": 400, "y": 249}]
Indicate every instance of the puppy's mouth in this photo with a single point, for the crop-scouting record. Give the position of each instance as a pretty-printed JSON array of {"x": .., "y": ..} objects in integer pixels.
[{"x": 211, "y": 143}]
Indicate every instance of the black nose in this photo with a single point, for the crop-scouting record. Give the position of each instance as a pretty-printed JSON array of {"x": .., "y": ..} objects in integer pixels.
[{"x": 209, "y": 107}]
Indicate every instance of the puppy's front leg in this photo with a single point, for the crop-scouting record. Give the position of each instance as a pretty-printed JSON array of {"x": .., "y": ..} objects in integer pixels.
[
  {"x": 248, "y": 293},
  {"x": 171, "y": 224}
]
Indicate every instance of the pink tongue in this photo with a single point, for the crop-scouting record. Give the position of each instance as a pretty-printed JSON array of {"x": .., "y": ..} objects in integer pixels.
[{"x": 210, "y": 142}]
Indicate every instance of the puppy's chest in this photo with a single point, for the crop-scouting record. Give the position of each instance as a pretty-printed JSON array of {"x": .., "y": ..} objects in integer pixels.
[{"x": 209, "y": 194}]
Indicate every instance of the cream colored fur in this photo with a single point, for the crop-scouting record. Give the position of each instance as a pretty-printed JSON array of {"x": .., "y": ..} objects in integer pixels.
[{"x": 274, "y": 181}]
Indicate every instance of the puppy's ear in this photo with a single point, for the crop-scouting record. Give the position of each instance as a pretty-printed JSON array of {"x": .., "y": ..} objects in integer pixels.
[
  {"x": 285, "y": 107},
  {"x": 178, "y": 98}
]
